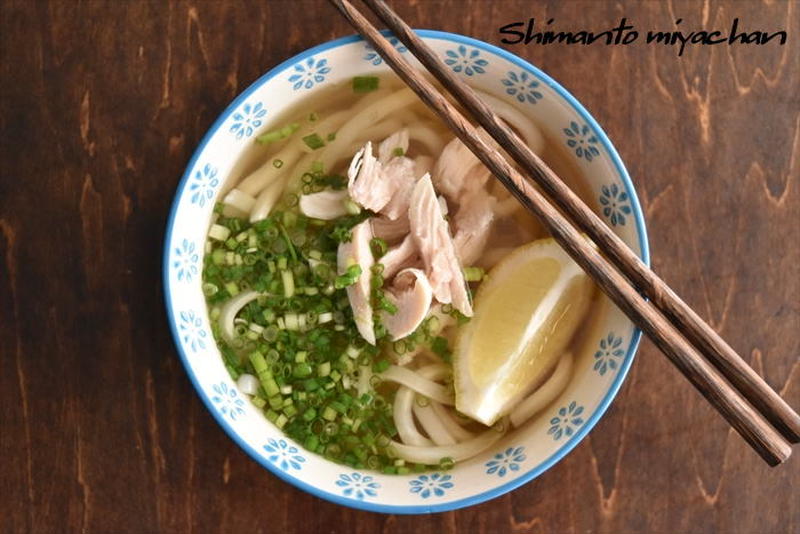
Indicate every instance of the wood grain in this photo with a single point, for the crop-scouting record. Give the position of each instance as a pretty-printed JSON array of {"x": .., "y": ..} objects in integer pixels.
[{"x": 101, "y": 105}]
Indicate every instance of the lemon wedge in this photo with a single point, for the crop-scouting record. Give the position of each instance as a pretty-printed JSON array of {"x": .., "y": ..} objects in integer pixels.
[{"x": 526, "y": 313}]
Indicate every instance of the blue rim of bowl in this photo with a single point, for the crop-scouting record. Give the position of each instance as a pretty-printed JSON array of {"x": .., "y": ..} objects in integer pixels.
[{"x": 538, "y": 469}]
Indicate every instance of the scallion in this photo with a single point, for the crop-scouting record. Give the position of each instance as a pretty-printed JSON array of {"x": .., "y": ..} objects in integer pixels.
[
  {"x": 365, "y": 84},
  {"x": 313, "y": 141},
  {"x": 473, "y": 274},
  {"x": 287, "y": 278},
  {"x": 279, "y": 134}
]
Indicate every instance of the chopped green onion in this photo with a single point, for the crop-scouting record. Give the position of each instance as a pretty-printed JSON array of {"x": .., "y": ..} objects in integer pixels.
[
  {"x": 280, "y": 422},
  {"x": 289, "y": 244},
  {"x": 312, "y": 117},
  {"x": 379, "y": 248},
  {"x": 218, "y": 232},
  {"x": 331, "y": 136},
  {"x": 313, "y": 141},
  {"x": 277, "y": 163},
  {"x": 302, "y": 370},
  {"x": 232, "y": 288},
  {"x": 365, "y": 84},
  {"x": 398, "y": 151},
  {"x": 351, "y": 207},
  {"x": 288, "y": 283},
  {"x": 329, "y": 414},
  {"x": 349, "y": 277},
  {"x": 209, "y": 289},
  {"x": 279, "y": 134},
  {"x": 473, "y": 274},
  {"x": 440, "y": 347}
]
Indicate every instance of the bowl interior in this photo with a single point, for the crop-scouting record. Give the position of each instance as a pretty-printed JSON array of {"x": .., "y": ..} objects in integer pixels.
[{"x": 601, "y": 363}]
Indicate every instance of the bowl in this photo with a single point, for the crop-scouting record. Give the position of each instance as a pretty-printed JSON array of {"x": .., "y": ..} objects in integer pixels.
[{"x": 601, "y": 364}]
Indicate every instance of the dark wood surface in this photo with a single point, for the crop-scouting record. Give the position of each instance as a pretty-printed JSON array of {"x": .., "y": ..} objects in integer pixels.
[{"x": 101, "y": 105}]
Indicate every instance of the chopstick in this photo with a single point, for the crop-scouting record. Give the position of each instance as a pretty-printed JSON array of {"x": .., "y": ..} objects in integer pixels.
[
  {"x": 749, "y": 423},
  {"x": 743, "y": 377}
]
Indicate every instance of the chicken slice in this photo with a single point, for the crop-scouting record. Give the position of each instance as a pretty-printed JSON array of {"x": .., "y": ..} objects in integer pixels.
[
  {"x": 401, "y": 173},
  {"x": 389, "y": 147},
  {"x": 432, "y": 236},
  {"x": 382, "y": 184},
  {"x": 365, "y": 180},
  {"x": 357, "y": 252},
  {"x": 399, "y": 257},
  {"x": 458, "y": 170},
  {"x": 388, "y": 230},
  {"x": 325, "y": 205},
  {"x": 412, "y": 294},
  {"x": 473, "y": 224}
]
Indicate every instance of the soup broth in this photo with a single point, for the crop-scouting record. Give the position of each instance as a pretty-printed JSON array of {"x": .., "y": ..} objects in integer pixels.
[{"x": 333, "y": 298}]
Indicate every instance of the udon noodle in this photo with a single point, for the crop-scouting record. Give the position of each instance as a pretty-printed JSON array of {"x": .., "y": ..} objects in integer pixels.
[{"x": 340, "y": 265}]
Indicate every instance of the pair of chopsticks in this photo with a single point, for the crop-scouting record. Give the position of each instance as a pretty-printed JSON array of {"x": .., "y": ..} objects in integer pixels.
[{"x": 743, "y": 398}]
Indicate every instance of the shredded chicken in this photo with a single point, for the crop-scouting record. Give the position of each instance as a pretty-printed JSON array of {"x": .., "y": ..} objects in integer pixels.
[
  {"x": 388, "y": 230},
  {"x": 459, "y": 171},
  {"x": 399, "y": 257},
  {"x": 432, "y": 236},
  {"x": 401, "y": 172},
  {"x": 383, "y": 184},
  {"x": 357, "y": 252},
  {"x": 365, "y": 181},
  {"x": 393, "y": 146},
  {"x": 411, "y": 292},
  {"x": 473, "y": 224}
]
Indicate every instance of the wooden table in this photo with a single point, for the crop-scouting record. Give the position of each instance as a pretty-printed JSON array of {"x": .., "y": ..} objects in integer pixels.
[{"x": 101, "y": 106}]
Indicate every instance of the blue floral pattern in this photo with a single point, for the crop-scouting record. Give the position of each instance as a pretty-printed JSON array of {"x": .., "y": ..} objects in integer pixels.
[
  {"x": 468, "y": 61},
  {"x": 567, "y": 421},
  {"x": 192, "y": 331},
  {"x": 609, "y": 354},
  {"x": 434, "y": 484},
  {"x": 506, "y": 461},
  {"x": 284, "y": 455},
  {"x": 358, "y": 485},
  {"x": 373, "y": 57},
  {"x": 615, "y": 204},
  {"x": 247, "y": 119},
  {"x": 185, "y": 262},
  {"x": 228, "y": 401},
  {"x": 308, "y": 73},
  {"x": 583, "y": 140},
  {"x": 203, "y": 185},
  {"x": 522, "y": 86}
]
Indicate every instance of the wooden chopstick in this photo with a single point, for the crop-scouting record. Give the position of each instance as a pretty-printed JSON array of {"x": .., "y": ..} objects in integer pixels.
[
  {"x": 749, "y": 423},
  {"x": 743, "y": 377}
]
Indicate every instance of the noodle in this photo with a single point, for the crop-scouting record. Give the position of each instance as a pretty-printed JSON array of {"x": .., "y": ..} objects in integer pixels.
[{"x": 292, "y": 244}]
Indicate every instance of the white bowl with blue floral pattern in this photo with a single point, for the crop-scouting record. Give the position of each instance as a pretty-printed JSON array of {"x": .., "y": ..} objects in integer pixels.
[{"x": 601, "y": 365}]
